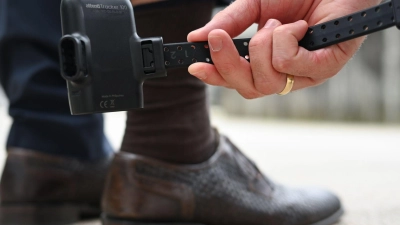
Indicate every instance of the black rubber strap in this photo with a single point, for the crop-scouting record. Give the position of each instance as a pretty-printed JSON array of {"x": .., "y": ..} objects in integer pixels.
[
  {"x": 186, "y": 53},
  {"x": 319, "y": 36},
  {"x": 348, "y": 27}
]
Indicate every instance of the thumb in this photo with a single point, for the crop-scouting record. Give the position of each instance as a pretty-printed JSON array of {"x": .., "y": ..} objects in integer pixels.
[{"x": 234, "y": 19}]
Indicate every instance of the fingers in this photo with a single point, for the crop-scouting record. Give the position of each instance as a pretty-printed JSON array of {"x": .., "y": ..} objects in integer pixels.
[
  {"x": 208, "y": 74},
  {"x": 233, "y": 68},
  {"x": 262, "y": 76},
  {"x": 229, "y": 69},
  {"x": 303, "y": 82},
  {"x": 234, "y": 20},
  {"x": 286, "y": 50},
  {"x": 266, "y": 79},
  {"x": 289, "y": 58},
  {"x": 309, "y": 68}
]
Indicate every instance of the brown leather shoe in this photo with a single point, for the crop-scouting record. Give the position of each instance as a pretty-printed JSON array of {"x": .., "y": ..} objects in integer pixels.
[
  {"x": 228, "y": 189},
  {"x": 39, "y": 189}
]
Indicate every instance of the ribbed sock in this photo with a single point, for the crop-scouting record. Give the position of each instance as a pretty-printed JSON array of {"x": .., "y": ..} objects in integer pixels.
[{"x": 174, "y": 126}]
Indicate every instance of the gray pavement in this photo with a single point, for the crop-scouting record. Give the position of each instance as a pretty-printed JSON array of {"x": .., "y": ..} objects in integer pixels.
[{"x": 359, "y": 162}]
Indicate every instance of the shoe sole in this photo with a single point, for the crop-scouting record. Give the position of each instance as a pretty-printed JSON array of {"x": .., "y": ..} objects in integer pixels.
[
  {"x": 332, "y": 219},
  {"x": 112, "y": 221},
  {"x": 48, "y": 214}
]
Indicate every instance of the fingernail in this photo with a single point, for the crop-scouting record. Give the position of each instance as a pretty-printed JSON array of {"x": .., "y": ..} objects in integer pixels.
[
  {"x": 271, "y": 23},
  {"x": 215, "y": 43}
]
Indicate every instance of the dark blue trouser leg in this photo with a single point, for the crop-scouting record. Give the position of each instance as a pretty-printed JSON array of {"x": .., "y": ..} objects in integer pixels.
[{"x": 29, "y": 74}]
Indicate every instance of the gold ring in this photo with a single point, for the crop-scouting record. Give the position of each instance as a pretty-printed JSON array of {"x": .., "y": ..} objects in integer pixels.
[{"x": 289, "y": 85}]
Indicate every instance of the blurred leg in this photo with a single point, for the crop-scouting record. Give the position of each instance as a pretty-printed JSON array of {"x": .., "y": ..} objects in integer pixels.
[
  {"x": 29, "y": 73},
  {"x": 56, "y": 163}
]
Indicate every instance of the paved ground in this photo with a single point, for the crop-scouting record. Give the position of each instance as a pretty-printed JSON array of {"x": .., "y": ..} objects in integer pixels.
[{"x": 360, "y": 162}]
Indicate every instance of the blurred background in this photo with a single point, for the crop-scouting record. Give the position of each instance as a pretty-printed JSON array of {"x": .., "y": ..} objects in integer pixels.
[{"x": 343, "y": 135}]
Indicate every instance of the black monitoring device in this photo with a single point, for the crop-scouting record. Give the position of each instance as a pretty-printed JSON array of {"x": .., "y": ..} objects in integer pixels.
[{"x": 105, "y": 62}]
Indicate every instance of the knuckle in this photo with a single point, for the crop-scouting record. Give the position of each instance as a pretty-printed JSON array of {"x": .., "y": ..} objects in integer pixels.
[
  {"x": 315, "y": 82},
  {"x": 256, "y": 42},
  {"x": 281, "y": 63},
  {"x": 264, "y": 85},
  {"x": 282, "y": 30},
  {"x": 226, "y": 68},
  {"x": 226, "y": 14},
  {"x": 248, "y": 97},
  {"x": 220, "y": 14},
  {"x": 318, "y": 59},
  {"x": 249, "y": 94},
  {"x": 264, "y": 89}
]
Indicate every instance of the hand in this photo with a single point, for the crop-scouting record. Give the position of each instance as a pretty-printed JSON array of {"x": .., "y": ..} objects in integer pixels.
[{"x": 274, "y": 50}]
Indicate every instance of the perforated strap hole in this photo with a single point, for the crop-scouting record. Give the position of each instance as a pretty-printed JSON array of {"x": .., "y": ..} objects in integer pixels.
[
  {"x": 179, "y": 48},
  {"x": 167, "y": 63},
  {"x": 194, "y": 60},
  {"x": 166, "y": 49},
  {"x": 375, "y": 18},
  {"x": 208, "y": 60},
  {"x": 193, "y": 47},
  {"x": 247, "y": 57},
  {"x": 180, "y": 61},
  {"x": 206, "y": 46},
  {"x": 245, "y": 43}
]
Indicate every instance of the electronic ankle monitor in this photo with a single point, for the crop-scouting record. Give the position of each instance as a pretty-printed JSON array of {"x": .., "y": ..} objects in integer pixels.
[{"x": 105, "y": 62}]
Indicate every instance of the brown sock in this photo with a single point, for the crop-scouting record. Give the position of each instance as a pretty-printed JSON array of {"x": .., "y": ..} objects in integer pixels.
[{"x": 174, "y": 126}]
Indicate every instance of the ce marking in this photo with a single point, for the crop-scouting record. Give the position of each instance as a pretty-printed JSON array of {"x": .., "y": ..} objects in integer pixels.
[
  {"x": 104, "y": 104},
  {"x": 107, "y": 104}
]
